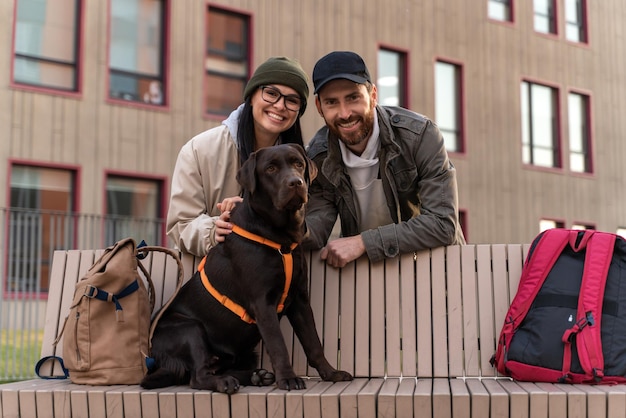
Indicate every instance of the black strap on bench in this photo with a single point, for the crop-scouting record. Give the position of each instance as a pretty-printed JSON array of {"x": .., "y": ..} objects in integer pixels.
[{"x": 66, "y": 373}]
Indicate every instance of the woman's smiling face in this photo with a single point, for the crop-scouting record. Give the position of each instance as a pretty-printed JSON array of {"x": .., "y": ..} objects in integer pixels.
[{"x": 272, "y": 118}]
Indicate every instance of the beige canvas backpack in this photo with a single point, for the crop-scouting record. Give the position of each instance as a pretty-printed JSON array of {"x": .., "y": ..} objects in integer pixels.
[{"x": 107, "y": 332}]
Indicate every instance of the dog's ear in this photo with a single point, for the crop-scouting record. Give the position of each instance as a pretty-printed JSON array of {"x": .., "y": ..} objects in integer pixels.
[
  {"x": 311, "y": 170},
  {"x": 311, "y": 167},
  {"x": 246, "y": 176}
]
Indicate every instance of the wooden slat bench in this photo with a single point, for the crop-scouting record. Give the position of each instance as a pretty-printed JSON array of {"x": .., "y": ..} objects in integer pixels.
[{"x": 417, "y": 332}]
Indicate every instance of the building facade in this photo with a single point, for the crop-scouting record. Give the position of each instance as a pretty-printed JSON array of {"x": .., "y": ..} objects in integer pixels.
[{"x": 98, "y": 96}]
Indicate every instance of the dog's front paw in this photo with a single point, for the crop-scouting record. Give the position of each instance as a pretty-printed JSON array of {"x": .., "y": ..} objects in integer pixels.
[
  {"x": 262, "y": 377},
  {"x": 294, "y": 383},
  {"x": 227, "y": 384},
  {"x": 336, "y": 376}
]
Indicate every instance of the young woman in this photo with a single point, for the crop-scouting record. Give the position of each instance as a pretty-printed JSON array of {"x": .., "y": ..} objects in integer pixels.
[{"x": 204, "y": 185}]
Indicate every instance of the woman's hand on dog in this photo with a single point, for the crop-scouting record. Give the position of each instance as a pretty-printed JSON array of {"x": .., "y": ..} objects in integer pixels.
[{"x": 222, "y": 225}]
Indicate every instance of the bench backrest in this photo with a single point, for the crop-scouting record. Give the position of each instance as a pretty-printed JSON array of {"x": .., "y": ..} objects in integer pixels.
[{"x": 437, "y": 313}]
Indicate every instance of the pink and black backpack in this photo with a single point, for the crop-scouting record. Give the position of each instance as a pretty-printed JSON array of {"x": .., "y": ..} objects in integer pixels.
[{"x": 567, "y": 322}]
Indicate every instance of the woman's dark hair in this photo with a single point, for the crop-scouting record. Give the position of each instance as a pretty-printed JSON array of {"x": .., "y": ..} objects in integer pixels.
[{"x": 245, "y": 132}]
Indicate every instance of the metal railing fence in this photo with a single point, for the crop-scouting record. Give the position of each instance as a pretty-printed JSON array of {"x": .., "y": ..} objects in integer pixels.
[{"x": 28, "y": 239}]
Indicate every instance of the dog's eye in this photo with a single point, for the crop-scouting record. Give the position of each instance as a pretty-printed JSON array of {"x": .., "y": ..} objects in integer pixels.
[
  {"x": 270, "y": 168},
  {"x": 299, "y": 164}
]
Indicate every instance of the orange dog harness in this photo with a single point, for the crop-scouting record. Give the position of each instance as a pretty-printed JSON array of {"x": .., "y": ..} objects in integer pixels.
[{"x": 229, "y": 303}]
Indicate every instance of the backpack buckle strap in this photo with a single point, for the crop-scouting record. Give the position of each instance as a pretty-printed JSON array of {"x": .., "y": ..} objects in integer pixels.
[{"x": 91, "y": 292}]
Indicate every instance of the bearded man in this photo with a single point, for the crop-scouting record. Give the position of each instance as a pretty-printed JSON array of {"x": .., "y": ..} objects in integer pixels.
[{"x": 383, "y": 170}]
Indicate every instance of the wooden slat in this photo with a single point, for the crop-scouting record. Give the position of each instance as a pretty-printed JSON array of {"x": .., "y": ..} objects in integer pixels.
[
  {"x": 393, "y": 351},
  {"x": 485, "y": 309},
  {"x": 220, "y": 403},
  {"x": 422, "y": 398},
  {"x": 576, "y": 401},
  {"x": 167, "y": 402},
  {"x": 498, "y": 399},
  {"x": 131, "y": 397},
  {"x": 442, "y": 398},
  {"x": 202, "y": 404},
  {"x": 377, "y": 319},
  {"x": 44, "y": 401},
  {"x": 62, "y": 400},
  {"x": 79, "y": 400},
  {"x": 256, "y": 401},
  {"x": 294, "y": 400},
  {"x": 409, "y": 315},
  {"x": 330, "y": 338},
  {"x": 184, "y": 405},
  {"x": 454, "y": 308},
  {"x": 114, "y": 402},
  {"x": 616, "y": 400},
  {"x": 348, "y": 399},
  {"x": 538, "y": 405},
  {"x": 318, "y": 282},
  {"x": 298, "y": 357},
  {"x": 311, "y": 400},
  {"x": 596, "y": 400},
  {"x": 150, "y": 403},
  {"x": 424, "y": 324},
  {"x": 480, "y": 398},
  {"x": 500, "y": 286},
  {"x": 557, "y": 400},
  {"x": 366, "y": 399},
  {"x": 404, "y": 397},
  {"x": 330, "y": 400},
  {"x": 519, "y": 401},
  {"x": 439, "y": 313},
  {"x": 349, "y": 283},
  {"x": 516, "y": 262},
  {"x": 461, "y": 401},
  {"x": 470, "y": 311},
  {"x": 386, "y": 402},
  {"x": 164, "y": 279},
  {"x": 362, "y": 333}
]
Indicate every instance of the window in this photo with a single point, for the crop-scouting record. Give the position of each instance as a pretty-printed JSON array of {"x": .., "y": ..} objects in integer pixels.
[
  {"x": 39, "y": 222},
  {"x": 391, "y": 83},
  {"x": 582, "y": 227},
  {"x": 133, "y": 209},
  {"x": 539, "y": 125},
  {"x": 136, "y": 51},
  {"x": 575, "y": 20},
  {"x": 227, "y": 61},
  {"x": 579, "y": 133},
  {"x": 500, "y": 10},
  {"x": 545, "y": 16},
  {"x": 46, "y": 43},
  {"x": 448, "y": 87},
  {"x": 546, "y": 224}
]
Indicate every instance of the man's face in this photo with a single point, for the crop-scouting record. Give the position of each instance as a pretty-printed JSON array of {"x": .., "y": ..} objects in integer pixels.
[{"x": 348, "y": 110}]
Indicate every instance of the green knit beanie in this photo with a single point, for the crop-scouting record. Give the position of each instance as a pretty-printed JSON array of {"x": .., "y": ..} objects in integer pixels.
[{"x": 280, "y": 70}]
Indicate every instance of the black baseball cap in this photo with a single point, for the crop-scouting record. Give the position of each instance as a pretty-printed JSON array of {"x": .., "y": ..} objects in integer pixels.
[{"x": 339, "y": 64}]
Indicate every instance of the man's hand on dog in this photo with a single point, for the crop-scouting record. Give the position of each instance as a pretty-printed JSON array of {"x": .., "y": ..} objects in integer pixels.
[
  {"x": 341, "y": 251},
  {"x": 222, "y": 225}
]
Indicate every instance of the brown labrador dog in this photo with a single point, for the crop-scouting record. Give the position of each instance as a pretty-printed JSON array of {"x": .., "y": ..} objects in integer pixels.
[{"x": 210, "y": 345}]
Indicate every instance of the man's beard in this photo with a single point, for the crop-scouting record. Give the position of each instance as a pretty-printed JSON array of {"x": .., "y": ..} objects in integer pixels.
[{"x": 357, "y": 137}]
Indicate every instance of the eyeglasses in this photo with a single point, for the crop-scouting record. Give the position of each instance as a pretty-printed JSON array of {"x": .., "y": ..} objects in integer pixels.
[{"x": 272, "y": 95}]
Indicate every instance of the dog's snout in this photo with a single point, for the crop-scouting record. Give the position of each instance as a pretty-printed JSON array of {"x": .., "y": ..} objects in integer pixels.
[{"x": 295, "y": 182}]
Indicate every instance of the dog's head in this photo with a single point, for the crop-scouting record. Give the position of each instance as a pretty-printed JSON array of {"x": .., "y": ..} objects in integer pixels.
[{"x": 280, "y": 174}]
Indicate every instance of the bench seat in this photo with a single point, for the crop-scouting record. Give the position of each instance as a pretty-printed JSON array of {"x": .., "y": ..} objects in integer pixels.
[{"x": 417, "y": 332}]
